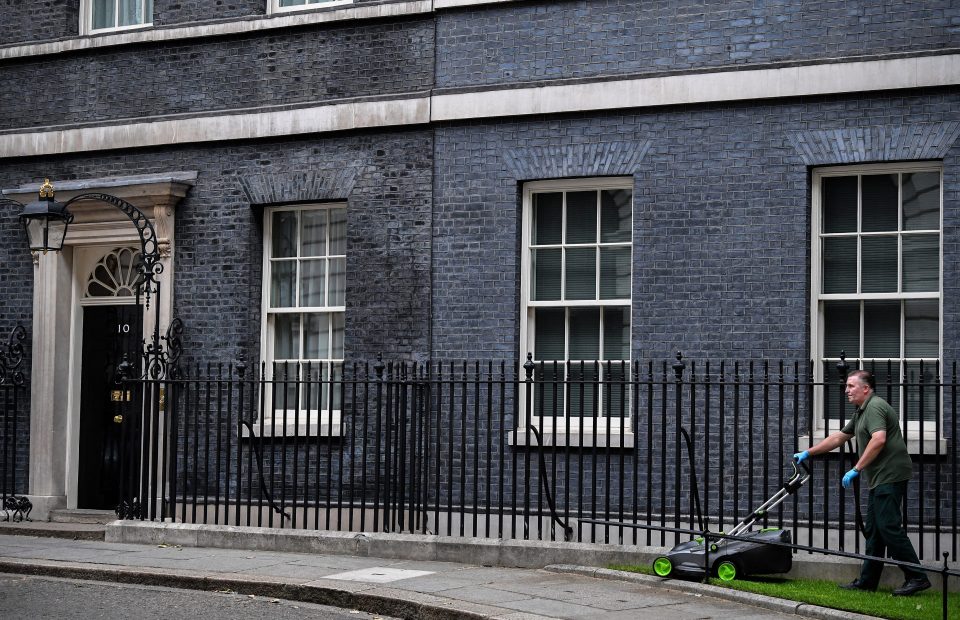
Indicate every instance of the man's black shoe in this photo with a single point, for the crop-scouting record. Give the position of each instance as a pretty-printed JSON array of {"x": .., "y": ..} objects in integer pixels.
[
  {"x": 912, "y": 586},
  {"x": 856, "y": 584}
]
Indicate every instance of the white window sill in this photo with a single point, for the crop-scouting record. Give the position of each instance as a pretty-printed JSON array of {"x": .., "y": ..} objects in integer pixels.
[
  {"x": 276, "y": 9},
  {"x": 291, "y": 430},
  {"x": 116, "y": 30},
  {"x": 587, "y": 439},
  {"x": 931, "y": 445}
]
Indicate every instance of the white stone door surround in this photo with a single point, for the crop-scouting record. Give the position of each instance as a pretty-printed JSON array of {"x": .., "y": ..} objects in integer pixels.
[{"x": 59, "y": 279}]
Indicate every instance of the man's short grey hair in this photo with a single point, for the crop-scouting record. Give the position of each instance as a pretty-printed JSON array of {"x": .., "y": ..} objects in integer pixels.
[{"x": 865, "y": 377}]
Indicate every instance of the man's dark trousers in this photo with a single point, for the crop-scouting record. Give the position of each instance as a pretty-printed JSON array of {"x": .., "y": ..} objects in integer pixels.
[{"x": 885, "y": 532}]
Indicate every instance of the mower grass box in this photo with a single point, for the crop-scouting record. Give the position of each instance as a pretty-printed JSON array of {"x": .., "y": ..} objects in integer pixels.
[{"x": 729, "y": 559}]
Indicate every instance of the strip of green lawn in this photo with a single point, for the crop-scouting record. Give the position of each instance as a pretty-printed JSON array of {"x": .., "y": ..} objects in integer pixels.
[{"x": 923, "y": 606}]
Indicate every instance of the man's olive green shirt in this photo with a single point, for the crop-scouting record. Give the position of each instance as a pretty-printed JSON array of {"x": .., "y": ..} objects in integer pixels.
[{"x": 893, "y": 464}]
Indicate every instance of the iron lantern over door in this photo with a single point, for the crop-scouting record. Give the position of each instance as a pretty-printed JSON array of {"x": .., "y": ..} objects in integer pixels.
[{"x": 45, "y": 221}]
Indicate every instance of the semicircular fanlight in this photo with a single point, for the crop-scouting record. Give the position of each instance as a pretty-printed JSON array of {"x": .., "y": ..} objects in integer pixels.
[{"x": 115, "y": 275}]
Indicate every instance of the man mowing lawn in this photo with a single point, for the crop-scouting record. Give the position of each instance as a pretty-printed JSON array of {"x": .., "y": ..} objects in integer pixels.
[{"x": 884, "y": 459}]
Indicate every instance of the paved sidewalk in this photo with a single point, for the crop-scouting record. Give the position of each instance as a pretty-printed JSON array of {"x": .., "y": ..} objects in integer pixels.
[{"x": 402, "y": 588}]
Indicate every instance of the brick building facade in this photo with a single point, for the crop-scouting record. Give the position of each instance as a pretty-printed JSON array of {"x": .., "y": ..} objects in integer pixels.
[{"x": 439, "y": 127}]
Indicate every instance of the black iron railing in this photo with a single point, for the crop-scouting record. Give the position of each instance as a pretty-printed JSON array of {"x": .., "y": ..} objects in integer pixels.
[
  {"x": 14, "y": 429},
  {"x": 501, "y": 450}
]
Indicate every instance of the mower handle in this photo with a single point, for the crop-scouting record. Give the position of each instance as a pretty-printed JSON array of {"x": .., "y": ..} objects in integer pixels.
[
  {"x": 789, "y": 487},
  {"x": 797, "y": 479}
]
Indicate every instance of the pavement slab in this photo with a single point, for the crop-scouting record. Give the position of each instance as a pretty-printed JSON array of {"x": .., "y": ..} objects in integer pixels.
[{"x": 408, "y": 588}]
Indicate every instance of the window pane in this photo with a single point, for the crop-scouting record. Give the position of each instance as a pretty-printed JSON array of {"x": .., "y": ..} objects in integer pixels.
[
  {"x": 878, "y": 268},
  {"x": 881, "y": 329},
  {"x": 546, "y": 274},
  {"x": 103, "y": 14},
  {"x": 615, "y": 273},
  {"x": 338, "y": 232},
  {"x": 921, "y": 392},
  {"x": 835, "y": 406},
  {"x": 584, "y": 334},
  {"x": 282, "y": 284},
  {"x": 921, "y": 263},
  {"x": 841, "y": 328},
  {"x": 313, "y": 233},
  {"x": 615, "y": 390},
  {"x": 284, "y": 237},
  {"x": 285, "y": 389},
  {"x": 581, "y": 217},
  {"x": 583, "y": 389},
  {"x": 581, "y": 276},
  {"x": 338, "y": 282},
  {"x": 316, "y": 336},
  {"x": 549, "y": 333},
  {"x": 887, "y": 375},
  {"x": 286, "y": 336},
  {"x": 921, "y": 327},
  {"x": 311, "y": 392},
  {"x": 549, "y": 389},
  {"x": 839, "y": 204},
  {"x": 130, "y": 13},
  {"x": 292, "y": 2},
  {"x": 312, "y": 282},
  {"x": 840, "y": 265},
  {"x": 616, "y": 215},
  {"x": 320, "y": 391},
  {"x": 547, "y": 218},
  {"x": 336, "y": 345},
  {"x": 616, "y": 333},
  {"x": 336, "y": 374},
  {"x": 921, "y": 201},
  {"x": 879, "y": 202}
]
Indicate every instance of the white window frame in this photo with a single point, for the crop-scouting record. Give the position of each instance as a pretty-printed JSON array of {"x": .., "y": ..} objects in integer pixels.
[
  {"x": 274, "y": 8},
  {"x": 86, "y": 19},
  {"x": 290, "y": 423},
  {"x": 608, "y": 430},
  {"x": 823, "y": 426}
]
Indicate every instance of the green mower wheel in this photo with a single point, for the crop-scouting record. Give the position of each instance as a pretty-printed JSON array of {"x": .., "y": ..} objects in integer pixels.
[
  {"x": 726, "y": 571},
  {"x": 663, "y": 566}
]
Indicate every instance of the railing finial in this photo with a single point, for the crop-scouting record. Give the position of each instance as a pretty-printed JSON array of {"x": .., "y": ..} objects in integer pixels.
[
  {"x": 379, "y": 366},
  {"x": 679, "y": 366},
  {"x": 242, "y": 364},
  {"x": 528, "y": 367},
  {"x": 842, "y": 366}
]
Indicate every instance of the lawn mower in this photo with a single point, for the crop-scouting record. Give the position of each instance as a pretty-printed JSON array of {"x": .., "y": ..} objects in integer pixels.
[{"x": 732, "y": 559}]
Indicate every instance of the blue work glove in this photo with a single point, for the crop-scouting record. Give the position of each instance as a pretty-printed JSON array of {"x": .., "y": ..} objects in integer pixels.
[
  {"x": 849, "y": 476},
  {"x": 800, "y": 457}
]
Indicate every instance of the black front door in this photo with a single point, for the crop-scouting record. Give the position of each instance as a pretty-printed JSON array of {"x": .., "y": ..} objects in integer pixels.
[{"x": 109, "y": 332}]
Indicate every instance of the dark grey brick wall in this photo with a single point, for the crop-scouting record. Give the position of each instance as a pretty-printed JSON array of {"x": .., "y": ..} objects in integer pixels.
[
  {"x": 37, "y": 21},
  {"x": 721, "y": 229},
  {"x": 167, "y": 12},
  {"x": 16, "y": 276},
  {"x": 564, "y": 39},
  {"x": 218, "y": 232},
  {"x": 721, "y": 223},
  {"x": 295, "y": 66}
]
